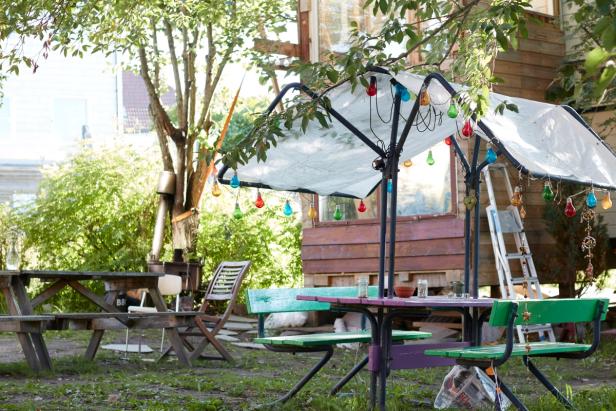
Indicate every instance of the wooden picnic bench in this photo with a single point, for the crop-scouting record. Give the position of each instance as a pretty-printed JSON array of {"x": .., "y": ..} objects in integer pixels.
[
  {"x": 264, "y": 302},
  {"x": 525, "y": 313}
]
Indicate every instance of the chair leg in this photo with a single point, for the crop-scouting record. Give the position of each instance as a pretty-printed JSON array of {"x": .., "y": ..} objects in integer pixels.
[
  {"x": 547, "y": 384},
  {"x": 162, "y": 341},
  {"x": 357, "y": 368}
]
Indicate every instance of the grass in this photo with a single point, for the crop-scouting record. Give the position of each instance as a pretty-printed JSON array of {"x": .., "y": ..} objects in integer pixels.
[{"x": 259, "y": 377}]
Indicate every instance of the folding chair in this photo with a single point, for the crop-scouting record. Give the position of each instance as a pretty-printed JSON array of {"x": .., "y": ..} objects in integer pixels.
[{"x": 225, "y": 286}]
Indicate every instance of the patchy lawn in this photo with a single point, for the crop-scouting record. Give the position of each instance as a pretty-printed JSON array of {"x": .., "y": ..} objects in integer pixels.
[{"x": 259, "y": 377}]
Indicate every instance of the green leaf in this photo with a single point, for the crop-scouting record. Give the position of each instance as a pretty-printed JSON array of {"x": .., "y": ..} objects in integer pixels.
[
  {"x": 594, "y": 59},
  {"x": 605, "y": 79},
  {"x": 604, "y": 6}
]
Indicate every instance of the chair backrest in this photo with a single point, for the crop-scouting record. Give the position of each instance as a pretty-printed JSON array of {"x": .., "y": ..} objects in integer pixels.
[
  {"x": 169, "y": 284},
  {"x": 226, "y": 281},
  {"x": 282, "y": 300},
  {"x": 553, "y": 311}
]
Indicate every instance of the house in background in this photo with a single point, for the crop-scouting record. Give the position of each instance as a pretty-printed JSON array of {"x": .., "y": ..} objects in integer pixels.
[
  {"x": 429, "y": 239},
  {"x": 69, "y": 101}
]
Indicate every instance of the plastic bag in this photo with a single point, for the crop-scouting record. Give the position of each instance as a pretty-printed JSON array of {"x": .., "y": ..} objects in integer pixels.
[{"x": 468, "y": 387}]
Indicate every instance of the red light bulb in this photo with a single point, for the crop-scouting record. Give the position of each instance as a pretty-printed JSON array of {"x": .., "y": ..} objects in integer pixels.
[
  {"x": 371, "y": 90},
  {"x": 259, "y": 203},
  {"x": 448, "y": 141},
  {"x": 362, "y": 207},
  {"x": 467, "y": 129},
  {"x": 570, "y": 208}
]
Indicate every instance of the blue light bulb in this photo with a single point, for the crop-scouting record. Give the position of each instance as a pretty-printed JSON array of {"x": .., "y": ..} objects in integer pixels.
[
  {"x": 591, "y": 199},
  {"x": 390, "y": 186},
  {"x": 404, "y": 93},
  {"x": 490, "y": 155},
  {"x": 235, "y": 181},
  {"x": 287, "y": 210}
]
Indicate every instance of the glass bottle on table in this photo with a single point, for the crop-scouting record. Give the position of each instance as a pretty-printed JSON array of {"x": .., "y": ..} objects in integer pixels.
[
  {"x": 422, "y": 288},
  {"x": 12, "y": 255}
]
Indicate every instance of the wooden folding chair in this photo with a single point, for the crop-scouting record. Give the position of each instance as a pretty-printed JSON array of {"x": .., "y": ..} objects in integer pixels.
[{"x": 225, "y": 286}]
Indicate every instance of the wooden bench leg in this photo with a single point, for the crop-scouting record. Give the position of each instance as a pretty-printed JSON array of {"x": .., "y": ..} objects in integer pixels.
[
  {"x": 547, "y": 384},
  {"x": 172, "y": 333},
  {"x": 41, "y": 350}
]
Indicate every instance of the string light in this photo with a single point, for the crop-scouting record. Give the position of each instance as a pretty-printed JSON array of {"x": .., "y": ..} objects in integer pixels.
[
  {"x": 570, "y": 210},
  {"x": 362, "y": 207},
  {"x": 548, "y": 194},
  {"x": 371, "y": 90},
  {"x": 287, "y": 209},
  {"x": 312, "y": 212},
  {"x": 452, "y": 112},
  {"x": 430, "y": 159},
  {"x": 338, "y": 213},
  {"x": 490, "y": 154},
  {"x": 390, "y": 186},
  {"x": 235, "y": 180},
  {"x": 467, "y": 129},
  {"x": 424, "y": 98},
  {"x": 259, "y": 203},
  {"x": 408, "y": 163},
  {"x": 237, "y": 212},
  {"x": 216, "y": 189},
  {"x": 516, "y": 199},
  {"x": 448, "y": 141},
  {"x": 591, "y": 199},
  {"x": 606, "y": 202}
]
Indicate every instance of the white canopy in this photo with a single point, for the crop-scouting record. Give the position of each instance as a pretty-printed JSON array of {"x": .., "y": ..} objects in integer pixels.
[{"x": 544, "y": 139}]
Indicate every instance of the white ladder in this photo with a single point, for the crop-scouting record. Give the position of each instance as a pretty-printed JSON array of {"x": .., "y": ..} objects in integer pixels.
[{"x": 508, "y": 222}]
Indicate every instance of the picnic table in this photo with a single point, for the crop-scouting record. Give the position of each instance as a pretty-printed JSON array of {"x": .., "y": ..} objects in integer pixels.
[
  {"x": 20, "y": 307},
  {"x": 383, "y": 356}
]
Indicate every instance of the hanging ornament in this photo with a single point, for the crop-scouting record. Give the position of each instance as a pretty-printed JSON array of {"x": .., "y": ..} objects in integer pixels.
[
  {"x": 216, "y": 189},
  {"x": 338, "y": 213},
  {"x": 516, "y": 199},
  {"x": 570, "y": 210},
  {"x": 490, "y": 154},
  {"x": 424, "y": 98},
  {"x": 259, "y": 203},
  {"x": 312, "y": 212},
  {"x": 430, "y": 159},
  {"x": 371, "y": 90},
  {"x": 548, "y": 194},
  {"x": 448, "y": 141},
  {"x": 287, "y": 210},
  {"x": 235, "y": 180},
  {"x": 237, "y": 213},
  {"x": 408, "y": 163},
  {"x": 390, "y": 186},
  {"x": 467, "y": 129},
  {"x": 606, "y": 202},
  {"x": 404, "y": 93},
  {"x": 591, "y": 199},
  {"x": 589, "y": 242},
  {"x": 522, "y": 212},
  {"x": 470, "y": 201},
  {"x": 362, "y": 207},
  {"x": 452, "y": 112}
]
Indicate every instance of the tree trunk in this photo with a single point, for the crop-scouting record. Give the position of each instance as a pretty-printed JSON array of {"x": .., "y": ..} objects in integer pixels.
[{"x": 566, "y": 290}]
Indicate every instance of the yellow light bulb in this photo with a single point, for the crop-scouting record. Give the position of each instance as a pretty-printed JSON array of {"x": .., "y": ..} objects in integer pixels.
[
  {"x": 312, "y": 212},
  {"x": 216, "y": 189},
  {"x": 424, "y": 98},
  {"x": 408, "y": 163},
  {"x": 606, "y": 202}
]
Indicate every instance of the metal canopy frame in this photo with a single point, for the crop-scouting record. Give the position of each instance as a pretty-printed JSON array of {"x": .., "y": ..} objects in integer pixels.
[{"x": 389, "y": 170}]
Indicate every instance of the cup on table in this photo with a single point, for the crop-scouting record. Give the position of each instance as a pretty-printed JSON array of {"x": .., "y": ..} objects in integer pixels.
[
  {"x": 422, "y": 288},
  {"x": 457, "y": 288},
  {"x": 362, "y": 288}
]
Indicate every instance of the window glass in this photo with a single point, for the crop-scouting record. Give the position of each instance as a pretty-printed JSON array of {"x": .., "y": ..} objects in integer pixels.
[
  {"x": 5, "y": 118},
  {"x": 70, "y": 118}
]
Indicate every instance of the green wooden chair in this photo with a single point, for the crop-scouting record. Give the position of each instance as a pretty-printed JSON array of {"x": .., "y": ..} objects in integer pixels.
[{"x": 509, "y": 314}]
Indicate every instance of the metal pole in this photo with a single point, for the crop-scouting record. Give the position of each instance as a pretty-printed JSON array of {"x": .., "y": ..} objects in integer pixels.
[
  {"x": 392, "y": 165},
  {"x": 382, "y": 239}
]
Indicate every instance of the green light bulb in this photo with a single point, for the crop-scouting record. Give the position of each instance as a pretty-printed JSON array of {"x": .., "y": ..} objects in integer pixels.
[
  {"x": 237, "y": 213},
  {"x": 453, "y": 111},
  {"x": 430, "y": 159},
  {"x": 338, "y": 213},
  {"x": 548, "y": 194}
]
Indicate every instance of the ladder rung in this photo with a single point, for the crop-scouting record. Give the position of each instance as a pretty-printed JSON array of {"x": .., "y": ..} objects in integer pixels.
[
  {"x": 536, "y": 328},
  {"x": 522, "y": 280},
  {"x": 520, "y": 256}
]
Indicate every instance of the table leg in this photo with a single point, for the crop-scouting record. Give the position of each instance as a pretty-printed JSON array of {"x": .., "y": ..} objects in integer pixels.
[
  {"x": 97, "y": 335},
  {"x": 384, "y": 363},
  {"x": 172, "y": 333},
  {"x": 21, "y": 305}
]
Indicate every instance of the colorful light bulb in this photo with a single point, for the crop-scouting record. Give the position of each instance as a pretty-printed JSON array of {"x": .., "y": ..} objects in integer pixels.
[
  {"x": 591, "y": 199},
  {"x": 237, "y": 212},
  {"x": 430, "y": 159},
  {"x": 570, "y": 210},
  {"x": 448, "y": 141},
  {"x": 516, "y": 199},
  {"x": 371, "y": 90},
  {"x": 259, "y": 203},
  {"x": 522, "y": 212},
  {"x": 312, "y": 212},
  {"x": 606, "y": 202},
  {"x": 406, "y": 95},
  {"x": 216, "y": 189},
  {"x": 390, "y": 186},
  {"x": 362, "y": 207},
  {"x": 338, "y": 213},
  {"x": 287, "y": 210},
  {"x": 424, "y": 98},
  {"x": 548, "y": 194},
  {"x": 452, "y": 112},
  {"x": 408, "y": 163},
  {"x": 467, "y": 129},
  {"x": 490, "y": 154},
  {"x": 235, "y": 180}
]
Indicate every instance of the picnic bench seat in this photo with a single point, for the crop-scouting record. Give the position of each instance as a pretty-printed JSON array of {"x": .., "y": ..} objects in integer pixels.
[
  {"x": 510, "y": 314},
  {"x": 283, "y": 300},
  {"x": 121, "y": 320},
  {"x": 24, "y": 323}
]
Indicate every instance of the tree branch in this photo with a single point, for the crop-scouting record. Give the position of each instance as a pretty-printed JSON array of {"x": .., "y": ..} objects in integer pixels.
[
  {"x": 209, "y": 67},
  {"x": 156, "y": 57},
  {"x": 176, "y": 71}
]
